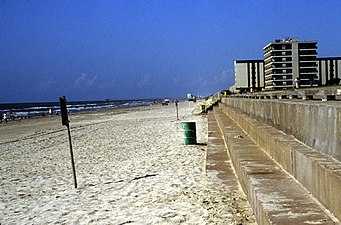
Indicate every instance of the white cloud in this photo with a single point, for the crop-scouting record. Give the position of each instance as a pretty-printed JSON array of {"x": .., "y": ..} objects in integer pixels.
[
  {"x": 80, "y": 79},
  {"x": 91, "y": 81},
  {"x": 85, "y": 80}
]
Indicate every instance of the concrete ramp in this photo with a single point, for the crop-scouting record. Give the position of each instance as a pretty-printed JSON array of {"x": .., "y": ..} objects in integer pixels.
[{"x": 275, "y": 196}]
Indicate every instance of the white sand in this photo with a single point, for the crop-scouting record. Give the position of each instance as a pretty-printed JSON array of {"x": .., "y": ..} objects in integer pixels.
[{"x": 131, "y": 169}]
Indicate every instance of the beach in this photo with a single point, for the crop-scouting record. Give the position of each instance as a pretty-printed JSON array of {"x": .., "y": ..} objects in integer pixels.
[{"x": 131, "y": 167}]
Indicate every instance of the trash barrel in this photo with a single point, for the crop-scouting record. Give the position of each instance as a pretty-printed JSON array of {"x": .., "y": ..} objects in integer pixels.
[{"x": 189, "y": 134}]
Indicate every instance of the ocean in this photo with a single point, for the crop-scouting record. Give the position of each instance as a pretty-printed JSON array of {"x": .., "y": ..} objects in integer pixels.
[{"x": 48, "y": 108}]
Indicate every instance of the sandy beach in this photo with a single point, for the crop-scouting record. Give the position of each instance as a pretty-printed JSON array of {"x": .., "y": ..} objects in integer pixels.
[{"x": 131, "y": 169}]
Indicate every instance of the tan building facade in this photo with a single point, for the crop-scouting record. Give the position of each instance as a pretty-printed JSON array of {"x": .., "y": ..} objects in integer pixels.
[
  {"x": 329, "y": 70},
  {"x": 249, "y": 75}
]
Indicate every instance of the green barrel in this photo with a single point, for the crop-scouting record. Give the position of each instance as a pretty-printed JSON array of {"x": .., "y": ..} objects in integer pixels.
[{"x": 189, "y": 134}]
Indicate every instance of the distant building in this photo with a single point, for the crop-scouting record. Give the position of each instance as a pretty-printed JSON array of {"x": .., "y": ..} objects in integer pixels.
[
  {"x": 289, "y": 59},
  {"x": 249, "y": 75},
  {"x": 286, "y": 61},
  {"x": 329, "y": 70}
]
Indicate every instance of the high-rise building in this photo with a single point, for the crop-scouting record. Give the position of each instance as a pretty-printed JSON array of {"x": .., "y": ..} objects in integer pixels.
[
  {"x": 329, "y": 70},
  {"x": 249, "y": 75},
  {"x": 288, "y": 60}
]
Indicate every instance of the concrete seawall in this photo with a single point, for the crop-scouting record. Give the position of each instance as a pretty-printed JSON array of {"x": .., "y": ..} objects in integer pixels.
[
  {"x": 317, "y": 124},
  {"x": 319, "y": 173}
]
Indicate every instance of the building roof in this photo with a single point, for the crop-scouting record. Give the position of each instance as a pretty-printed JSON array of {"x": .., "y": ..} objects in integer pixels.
[
  {"x": 248, "y": 60},
  {"x": 287, "y": 40}
]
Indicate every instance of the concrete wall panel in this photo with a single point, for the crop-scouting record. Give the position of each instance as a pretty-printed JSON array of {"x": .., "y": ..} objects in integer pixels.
[{"x": 317, "y": 125}]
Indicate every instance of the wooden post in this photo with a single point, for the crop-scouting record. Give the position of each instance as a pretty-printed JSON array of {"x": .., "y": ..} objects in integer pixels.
[
  {"x": 65, "y": 122},
  {"x": 72, "y": 160},
  {"x": 177, "y": 109}
]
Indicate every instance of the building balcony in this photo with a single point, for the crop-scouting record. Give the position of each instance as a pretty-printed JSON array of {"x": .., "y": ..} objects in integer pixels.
[
  {"x": 281, "y": 56},
  {"x": 267, "y": 59},
  {"x": 284, "y": 82},
  {"x": 306, "y": 45},
  {"x": 281, "y": 50},
  {"x": 282, "y": 74},
  {"x": 277, "y": 67},
  {"x": 282, "y": 77},
  {"x": 307, "y": 58},
  {"x": 268, "y": 87},
  {"x": 303, "y": 74},
  {"x": 280, "y": 67},
  {"x": 277, "y": 53},
  {"x": 278, "y": 82},
  {"x": 308, "y": 61},
  {"x": 307, "y": 54},
  {"x": 308, "y": 64},
  {"x": 308, "y": 67},
  {"x": 304, "y": 52},
  {"x": 267, "y": 53},
  {"x": 307, "y": 49},
  {"x": 275, "y": 86},
  {"x": 281, "y": 62},
  {"x": 309, "y": 70},
  {"x": 282, "y": 86}
]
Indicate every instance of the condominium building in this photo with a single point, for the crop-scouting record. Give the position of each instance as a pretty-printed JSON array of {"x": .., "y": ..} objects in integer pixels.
[
  {"x": 288, "y": 60},
  {"x": 249, "y": 75},
  {"x": 329, "y": 70}
]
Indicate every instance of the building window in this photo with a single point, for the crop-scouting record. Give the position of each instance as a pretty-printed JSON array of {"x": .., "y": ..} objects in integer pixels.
[
  {"x": 284, "y": 59},
  {"x": 284, "y": 65}
]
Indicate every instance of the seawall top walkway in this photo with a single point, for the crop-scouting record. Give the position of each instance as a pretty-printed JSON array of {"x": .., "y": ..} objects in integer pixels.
[{"x": 316, "y": 93}]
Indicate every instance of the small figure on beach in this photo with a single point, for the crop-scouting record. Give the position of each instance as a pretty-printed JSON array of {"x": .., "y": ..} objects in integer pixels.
[
  {"x": 5, "y": 117},
  {"x": 297, "y": 83}
]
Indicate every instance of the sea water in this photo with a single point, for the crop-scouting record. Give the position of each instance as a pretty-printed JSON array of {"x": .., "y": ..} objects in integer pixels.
[{"x": 48, "y": 108}]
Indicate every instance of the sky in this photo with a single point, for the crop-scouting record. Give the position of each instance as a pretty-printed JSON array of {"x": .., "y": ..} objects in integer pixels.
[{"x": 137, "y": 49}]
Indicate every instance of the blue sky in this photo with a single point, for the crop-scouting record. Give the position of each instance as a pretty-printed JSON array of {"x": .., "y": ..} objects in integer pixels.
[{"x": 94, "y": 50}]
